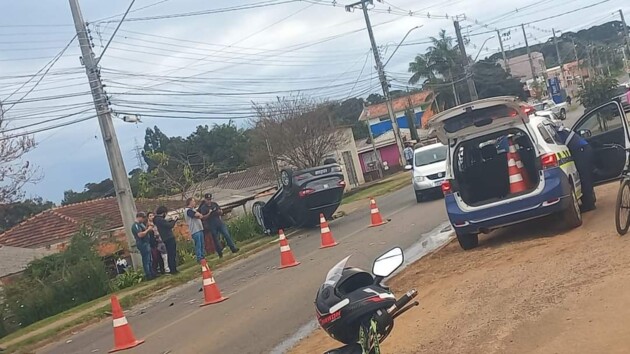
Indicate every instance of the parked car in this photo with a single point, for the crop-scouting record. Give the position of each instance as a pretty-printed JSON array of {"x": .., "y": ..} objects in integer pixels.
[
  {"x": 477, "y": 186},
  {"x": 558, "y": 109},
  {"x": 429, "y": 169},
  {"x": 301, "y": 197}
]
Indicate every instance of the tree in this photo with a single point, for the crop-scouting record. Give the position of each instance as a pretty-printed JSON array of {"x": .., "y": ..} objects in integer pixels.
[
  {"x": 297, "y": 129},
  {"x": 492, "y": 80},
  {"x": 597, "y": 91},
  {"x": 91, "y": 191},
  {"x": 14, "y": 213},
  {"x": 173, "y": 175},
  {"x": 15, "y": 172}
]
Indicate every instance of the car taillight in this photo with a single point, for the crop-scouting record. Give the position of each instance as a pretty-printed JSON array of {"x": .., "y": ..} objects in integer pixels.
[
  {"x": 549, "y": 161},
  {"x": 304, "y": 192},
  {"x": 342, "y": 183},
  {"x": 528, "y": 110},
  {"x": 446, "y": 187}
]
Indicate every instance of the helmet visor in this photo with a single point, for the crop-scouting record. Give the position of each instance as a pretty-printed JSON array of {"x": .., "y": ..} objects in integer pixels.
[{"x": 334, "y": 274}]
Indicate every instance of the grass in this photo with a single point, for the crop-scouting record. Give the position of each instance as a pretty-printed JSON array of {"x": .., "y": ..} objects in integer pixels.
[
  {"x": 379, "y": 188},
  {"x": 188, "y": 272}
]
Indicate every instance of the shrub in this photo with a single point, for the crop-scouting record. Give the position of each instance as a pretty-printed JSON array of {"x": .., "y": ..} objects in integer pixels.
[
  {"x": 185, "y": 251},
  {"x": 244, "y": 227},
  {"x": 127, "y": 279},
  {"x": 58, "y": 282},
  {"x": 597, "y": 91}
]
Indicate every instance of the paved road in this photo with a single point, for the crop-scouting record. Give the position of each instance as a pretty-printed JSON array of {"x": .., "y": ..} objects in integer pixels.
[{"x": 266, "y": 305}]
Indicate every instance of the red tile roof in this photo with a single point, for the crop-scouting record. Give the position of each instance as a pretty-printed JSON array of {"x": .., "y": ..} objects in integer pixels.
[
  {"x": 399, "y": 104},
  {"x": 58, "y": 224}
]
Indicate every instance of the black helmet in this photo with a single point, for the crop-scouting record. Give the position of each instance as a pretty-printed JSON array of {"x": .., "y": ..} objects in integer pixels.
[{"x": 349, "y": 297}]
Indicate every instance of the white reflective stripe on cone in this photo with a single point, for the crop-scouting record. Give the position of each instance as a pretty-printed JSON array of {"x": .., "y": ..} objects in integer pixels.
[
  {"x": 208, "y": 281},
  {"x": 322, "y": 220},
  {"x": 120, "y": 321},
  {"x": 516, "y": 178},
  {"x": 325, "y": 230},
  {"x": 511, "y": 162},
  {"x": 374, "y": 211},
  {"x": 512, "y": 149},
  {"x": 204, "y": 268},
  {"x": 282, "y": 237},
  {"x": 285, "y": 248},
  {"x": 519, "y": 164},
  {"x": 372, "y": 201}
]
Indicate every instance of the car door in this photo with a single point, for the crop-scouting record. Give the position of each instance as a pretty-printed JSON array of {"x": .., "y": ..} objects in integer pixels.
[{"x": 606, "y": 129}]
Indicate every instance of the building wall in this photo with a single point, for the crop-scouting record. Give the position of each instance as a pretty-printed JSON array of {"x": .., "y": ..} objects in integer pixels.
[
  {"x": 388, "y": 154},
  {"x": 350, "y": 147},
  {"x": 379, "y": 127}
]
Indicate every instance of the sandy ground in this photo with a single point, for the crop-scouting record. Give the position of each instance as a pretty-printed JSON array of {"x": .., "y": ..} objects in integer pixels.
[{"x": 532, "y": 288}]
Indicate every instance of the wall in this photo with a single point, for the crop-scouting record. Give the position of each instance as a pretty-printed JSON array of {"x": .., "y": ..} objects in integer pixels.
[{"x": 388, "y": 154}]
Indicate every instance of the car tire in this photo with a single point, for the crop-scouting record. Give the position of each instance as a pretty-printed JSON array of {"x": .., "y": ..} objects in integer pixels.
[
  {"x": 572, "y": 216},
  {"x": 468, "y": 241},
  {"x": 286, "y": 178},
  {"x": 563, "y": 114},
  {"x": 419, "y": 197}
]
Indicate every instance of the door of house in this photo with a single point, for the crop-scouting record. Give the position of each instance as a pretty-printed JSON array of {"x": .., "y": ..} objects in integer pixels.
[{"x": 350, "y": 168}]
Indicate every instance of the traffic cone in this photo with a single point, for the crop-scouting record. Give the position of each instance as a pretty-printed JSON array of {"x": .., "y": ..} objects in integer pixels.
[
  {"x": 211, "y": 292},
  {"x": 123, "y": 336},
  {"x": 519, "y": 180},
  {"x": 327, "y": 237},
  {"x": 286, "y": 255},
  {"x": 375, "y": 214}
]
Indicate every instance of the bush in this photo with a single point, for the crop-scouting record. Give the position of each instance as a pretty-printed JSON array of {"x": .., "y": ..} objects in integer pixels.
[
  {"x": 244, "y": 227},
  {"x": 58, "y": 282},
  {"x": 185, "y": 251},
  {"x": 597, "y": 91},
  {"x": 127, "y": 279}
]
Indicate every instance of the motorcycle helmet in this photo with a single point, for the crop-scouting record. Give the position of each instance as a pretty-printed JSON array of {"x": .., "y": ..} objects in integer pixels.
[{"x": 348, "y": 298}]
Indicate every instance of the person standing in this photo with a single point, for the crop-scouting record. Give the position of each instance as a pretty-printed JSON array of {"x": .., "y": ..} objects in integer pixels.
[
  {"x": 218, "y": 227},
  {"x": 408, "y": 152},
  {"x": 165, "y": 229},
  {"x": 568, "y": 100},
  {"x": 582, "y": 154},
  {"x": 141, "y": 233},
  {"x": 154, "y": 240},
  {"x": 204, "y": 209},
  {"x": 193, "y": 219}
]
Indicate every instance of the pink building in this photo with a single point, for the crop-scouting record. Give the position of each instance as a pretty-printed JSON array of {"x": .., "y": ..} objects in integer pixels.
[{"x": 386, "y": 147}]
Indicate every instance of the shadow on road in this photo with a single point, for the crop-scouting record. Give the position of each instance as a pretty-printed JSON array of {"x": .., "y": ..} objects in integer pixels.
[{"x": 544, "y": 227}]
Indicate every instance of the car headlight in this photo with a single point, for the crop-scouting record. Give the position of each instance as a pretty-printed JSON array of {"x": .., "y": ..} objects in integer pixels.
[{"x": 418, "y": 179}]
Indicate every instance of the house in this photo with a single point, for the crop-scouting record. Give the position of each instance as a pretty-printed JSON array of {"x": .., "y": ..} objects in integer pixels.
[
  {"x": 52, "y": 229},
  {"x": 347, "y": 156},
  {"x": 520, "y": 68},
  {"x": 13, "y": 260},
  {"x": 377, "y": 115}
]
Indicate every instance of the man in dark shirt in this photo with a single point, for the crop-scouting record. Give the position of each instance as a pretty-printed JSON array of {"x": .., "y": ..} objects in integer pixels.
[
  {"x": 582, "y": 154},
  {"x": 208, "y": 241},
  {"x": 217, "y": 226},
  {"x": 141, "y": 233},
  {"x": 165, "y": 229}
]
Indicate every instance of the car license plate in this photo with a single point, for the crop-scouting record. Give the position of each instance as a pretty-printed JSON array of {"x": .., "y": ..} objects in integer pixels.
[
  {"x": 325, "y": 186},
  {"x": 437, "y": 183}
]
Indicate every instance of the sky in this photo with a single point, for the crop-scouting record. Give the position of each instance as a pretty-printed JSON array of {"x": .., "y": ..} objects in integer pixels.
[{"x": 183, "y": 63}]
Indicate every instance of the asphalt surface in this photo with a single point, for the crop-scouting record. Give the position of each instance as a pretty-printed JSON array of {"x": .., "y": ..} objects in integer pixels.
[{"x": 266, "y": 305}]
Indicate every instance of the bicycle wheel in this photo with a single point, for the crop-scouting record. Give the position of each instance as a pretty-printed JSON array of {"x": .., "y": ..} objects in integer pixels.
[{"x": 622, "y": 207}]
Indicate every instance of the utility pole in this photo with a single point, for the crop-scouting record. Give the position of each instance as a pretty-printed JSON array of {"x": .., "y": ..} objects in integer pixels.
[
  {"x": 381, "y": 76},
  {"x": 555, "y": 43},
  {"x": 625, "y": 31},
  {"x": 505, "y": 61},
  {"x": 467, "y": 64},
  {"x": 529, "y": 55},
  {"x": 590, "y": 60},
  {"x": 577, "y": 59},
  {"x": 377, "y": 156},
  {"x": 124, "y": 196}
]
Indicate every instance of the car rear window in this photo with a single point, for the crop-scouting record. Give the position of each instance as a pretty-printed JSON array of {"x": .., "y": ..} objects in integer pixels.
[
  {"x": 427, "y": 157},
  {"x": 478, "y": 117}
]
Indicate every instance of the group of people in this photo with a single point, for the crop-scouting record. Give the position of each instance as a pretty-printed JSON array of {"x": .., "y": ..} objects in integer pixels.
[{"x": 155, "y": 239}]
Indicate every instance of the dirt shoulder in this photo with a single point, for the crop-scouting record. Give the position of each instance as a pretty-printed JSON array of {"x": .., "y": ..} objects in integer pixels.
[{"x": 532, "y": 288}]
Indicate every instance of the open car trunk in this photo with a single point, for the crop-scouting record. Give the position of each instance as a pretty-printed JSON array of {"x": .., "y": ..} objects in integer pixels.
[{"x": 480, "y": 166}]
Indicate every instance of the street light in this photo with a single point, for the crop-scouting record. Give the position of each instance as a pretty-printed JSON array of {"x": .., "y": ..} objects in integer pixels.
[
  {"x": 480, "y": 49},
  {"x": 399, "y": 44}
]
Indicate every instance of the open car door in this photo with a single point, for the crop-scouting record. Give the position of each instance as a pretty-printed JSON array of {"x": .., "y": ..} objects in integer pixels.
[{"x": 606, "y": 129}]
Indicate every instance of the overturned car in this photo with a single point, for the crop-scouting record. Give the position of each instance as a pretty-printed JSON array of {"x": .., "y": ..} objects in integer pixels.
[{"x": 301, "y": 197}]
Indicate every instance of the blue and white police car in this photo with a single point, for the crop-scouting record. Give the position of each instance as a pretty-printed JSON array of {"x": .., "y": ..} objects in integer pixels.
[{"x": 477, "y": 189}]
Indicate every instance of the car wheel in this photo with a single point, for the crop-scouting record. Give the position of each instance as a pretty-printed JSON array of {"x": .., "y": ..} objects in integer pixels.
[
  {"x": 572, "y": 216},
  {"x": 286, "y": 178},
  {"x": 563, "y": 114},
  {"x": 419, "y": 197},
  {"x": 468, "y": 241}
]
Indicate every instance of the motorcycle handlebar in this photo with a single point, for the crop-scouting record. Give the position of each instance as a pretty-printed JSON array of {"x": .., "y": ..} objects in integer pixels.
[{"x": 404, "y": 300}]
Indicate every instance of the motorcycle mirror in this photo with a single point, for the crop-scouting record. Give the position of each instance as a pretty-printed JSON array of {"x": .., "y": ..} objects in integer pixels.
[{"x": 387, "y": 263}]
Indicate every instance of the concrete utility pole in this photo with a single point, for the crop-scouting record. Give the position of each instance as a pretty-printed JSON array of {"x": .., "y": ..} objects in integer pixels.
[
  {"x": 529, "y": 55},
  {"x": 126, "y": 203},
  {"x": 626, "y": 38},
  {"x": 555, "y": 43},
  {"x": 467, "y": 64},
  {"x": 505, "y": 61},
  {"x": 381, "y": 76},
  {"x": 577, "y": 59}
]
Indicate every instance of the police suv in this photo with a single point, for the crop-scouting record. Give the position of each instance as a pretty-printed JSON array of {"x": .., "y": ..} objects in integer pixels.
[{"x": 478, "y": 188}]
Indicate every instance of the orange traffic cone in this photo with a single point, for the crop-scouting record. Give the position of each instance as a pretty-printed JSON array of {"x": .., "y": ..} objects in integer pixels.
[
  {"x": 375, "y": 214},
  {"x": 519, "y": 180},
  {"x": 123, "y": 336},
  {"x": 327, "y": 237},
  {"x": 286, "y": 255},
  {"x": 211, "y": 292}
]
